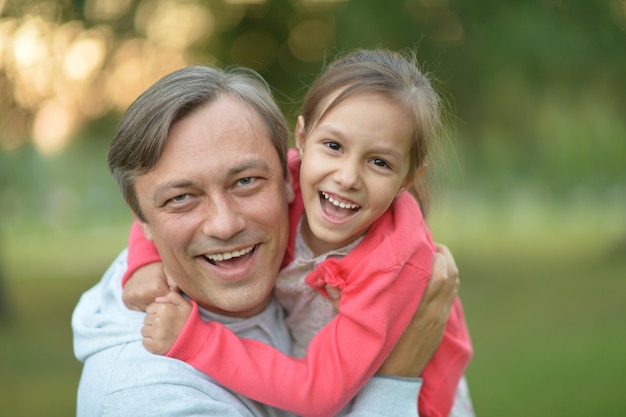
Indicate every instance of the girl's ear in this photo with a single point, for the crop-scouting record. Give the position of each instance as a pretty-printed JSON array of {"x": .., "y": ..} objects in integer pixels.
[
  {"x": 300, "y": 139},
  {"x": 422, "y": 170},
  {"x": 412, "y": 179},
  {"x": 145, "y": 227}
]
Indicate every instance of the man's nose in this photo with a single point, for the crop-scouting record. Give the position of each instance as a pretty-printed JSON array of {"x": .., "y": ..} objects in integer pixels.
[{"x": 223, "y": 219}]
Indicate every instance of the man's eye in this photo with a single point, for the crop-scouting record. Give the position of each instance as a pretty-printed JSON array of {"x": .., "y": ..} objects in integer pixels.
[
  {"x": 333, "y": 145},
  {"x": 246, "y": 181},
  {"x": 180, "y": 198}
]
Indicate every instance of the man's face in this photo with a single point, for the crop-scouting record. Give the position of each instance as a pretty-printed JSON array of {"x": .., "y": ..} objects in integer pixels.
[{"x": 216, "y": 207}]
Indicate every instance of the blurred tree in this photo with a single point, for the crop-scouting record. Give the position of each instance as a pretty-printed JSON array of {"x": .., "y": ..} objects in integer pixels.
[{"x": 538, "y": 86}]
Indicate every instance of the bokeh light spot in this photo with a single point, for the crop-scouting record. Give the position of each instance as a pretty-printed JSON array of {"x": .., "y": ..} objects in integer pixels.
[
  {"x": 52, "y": 126},
  {"x": 310, "y": 40},
  {"x": 106, "y": 9},
  {"x": 162, "y": 22},
  {"x": 255, "y": 49},
  {"x": 84, "y": 57}
]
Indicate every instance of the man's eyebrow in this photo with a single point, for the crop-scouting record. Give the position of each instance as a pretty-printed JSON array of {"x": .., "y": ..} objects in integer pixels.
[
  {"x": 255, "y": 163},
  {"x": 167, "y": 186}
]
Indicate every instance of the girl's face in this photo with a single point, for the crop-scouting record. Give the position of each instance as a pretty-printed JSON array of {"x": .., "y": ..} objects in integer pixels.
[{"x": 355, "y": 161}]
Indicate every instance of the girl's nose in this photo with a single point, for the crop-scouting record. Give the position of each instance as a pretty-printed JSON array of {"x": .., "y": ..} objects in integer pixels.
[{"x": 348, "y": 175}]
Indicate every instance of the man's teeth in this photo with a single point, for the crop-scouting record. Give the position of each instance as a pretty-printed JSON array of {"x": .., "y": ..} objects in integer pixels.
[
  {"x": 339, "y": 204},
  {"x": 228, "y": 255}
]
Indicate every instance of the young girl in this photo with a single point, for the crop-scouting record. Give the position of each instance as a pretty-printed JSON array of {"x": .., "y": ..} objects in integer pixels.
[{"x": 362, "y": 139}]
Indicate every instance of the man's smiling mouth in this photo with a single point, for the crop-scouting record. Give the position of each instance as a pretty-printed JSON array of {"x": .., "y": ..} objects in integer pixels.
[{"x": 214, "y": 258}]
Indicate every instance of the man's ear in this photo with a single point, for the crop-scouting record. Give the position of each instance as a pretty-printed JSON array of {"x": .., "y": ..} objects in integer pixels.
[
  {"x": 300, "y": 139},
  {"x": 145, "y": 227},
  {"x": 291, "y": 195}
]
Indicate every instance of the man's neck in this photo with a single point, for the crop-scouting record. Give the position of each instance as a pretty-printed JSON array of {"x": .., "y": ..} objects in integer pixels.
[{"x": 243, "y": 314}]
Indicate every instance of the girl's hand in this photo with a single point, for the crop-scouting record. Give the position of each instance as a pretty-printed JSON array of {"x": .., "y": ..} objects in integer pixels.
[
  {"x": 164, "y": 321},
  {"x": 144, "y": 286}
]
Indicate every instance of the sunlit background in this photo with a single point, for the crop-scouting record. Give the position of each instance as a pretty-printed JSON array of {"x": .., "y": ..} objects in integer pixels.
[{"x": 531, "y": 196}]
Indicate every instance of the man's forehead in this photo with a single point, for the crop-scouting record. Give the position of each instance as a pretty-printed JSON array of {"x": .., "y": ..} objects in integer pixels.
[
  {"x": 233, "y": 165},
  {"x": 223, "y": 138}
]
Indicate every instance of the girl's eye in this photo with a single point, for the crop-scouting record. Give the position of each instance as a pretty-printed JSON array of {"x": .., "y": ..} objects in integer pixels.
[
  {"x": 333, "y": 145},
  {"x": 380, "y": 162}
]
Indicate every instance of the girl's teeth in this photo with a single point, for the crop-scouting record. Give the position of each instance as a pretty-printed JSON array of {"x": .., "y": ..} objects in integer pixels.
[{"x": 338, "y": 204}]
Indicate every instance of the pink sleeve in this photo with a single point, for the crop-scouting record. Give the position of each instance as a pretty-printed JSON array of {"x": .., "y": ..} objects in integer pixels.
[
  {"x": 141, "y": 251},
  {"x": 375, "y": 309},
  {"x": 340, "y": 359},
  {"x": 446, "y": 367}
]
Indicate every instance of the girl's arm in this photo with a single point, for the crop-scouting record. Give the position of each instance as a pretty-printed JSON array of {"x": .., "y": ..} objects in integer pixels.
[
  {"x": 144, "y": 279},
  {"x": 341, "y": 358},
  {"x": 377, "y": 302},
  {"x": 141, "y": 251}
]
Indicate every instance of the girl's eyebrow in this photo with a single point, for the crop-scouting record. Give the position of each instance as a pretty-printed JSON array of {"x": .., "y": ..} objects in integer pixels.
[
  {"x": 330, "y": 129},
  {"x": 390, "y": 152},
  {"x": 387, "y": 151}
]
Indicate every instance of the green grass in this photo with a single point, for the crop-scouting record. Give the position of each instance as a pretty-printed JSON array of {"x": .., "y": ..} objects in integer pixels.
[
  {"x": 43, "y": 277},
  {"x": 549, "y": 335},
  {"x": 542, "y": 285},
  {"x": 543, "y": 289},
  {"x": 39, "y": 373}
]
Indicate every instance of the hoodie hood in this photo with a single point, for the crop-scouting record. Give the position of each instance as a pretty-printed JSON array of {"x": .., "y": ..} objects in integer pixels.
[{"x": 100, "y": 319}]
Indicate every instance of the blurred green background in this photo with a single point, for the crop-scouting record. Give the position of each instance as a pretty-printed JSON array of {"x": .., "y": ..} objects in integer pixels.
[{"x": 531, "y": 199}]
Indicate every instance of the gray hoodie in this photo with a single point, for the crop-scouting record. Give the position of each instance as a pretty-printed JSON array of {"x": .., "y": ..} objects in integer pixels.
[{"x": 120, "y": 378}]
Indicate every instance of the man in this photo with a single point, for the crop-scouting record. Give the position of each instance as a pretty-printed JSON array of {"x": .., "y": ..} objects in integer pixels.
[{"x": 200, "y": 158}]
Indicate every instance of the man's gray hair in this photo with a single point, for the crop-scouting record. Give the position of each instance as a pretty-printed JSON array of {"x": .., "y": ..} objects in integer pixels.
[{"x": 143, "y": 130}]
